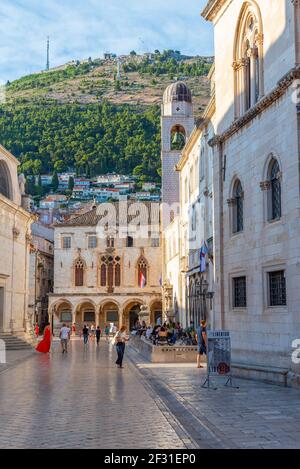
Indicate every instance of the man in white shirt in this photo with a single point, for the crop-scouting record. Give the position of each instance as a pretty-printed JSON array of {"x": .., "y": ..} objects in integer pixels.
[{"x": 65, "y": 334}]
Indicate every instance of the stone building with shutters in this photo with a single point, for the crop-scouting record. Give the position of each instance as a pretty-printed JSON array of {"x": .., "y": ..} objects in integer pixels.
[
  {"x": 256, "y": 182},
  {"x": 107, "y": 266}
]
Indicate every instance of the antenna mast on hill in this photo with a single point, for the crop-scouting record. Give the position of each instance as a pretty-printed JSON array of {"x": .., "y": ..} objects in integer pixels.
[{"x": 48, "y": 54}]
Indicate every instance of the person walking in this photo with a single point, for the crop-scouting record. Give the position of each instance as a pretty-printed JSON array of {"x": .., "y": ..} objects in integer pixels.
[
  {"x": 85, "y": 333},
  {"x": 201, "y": 338},
  {"x": 37, "y": 330},
  {"x": 98, "y": 334},
  {"x": 45, "y": 344},
  {"x": 120, "y": 340},
  {"x": 64, "y": 335},
  {"x": 106, "y": 330}
]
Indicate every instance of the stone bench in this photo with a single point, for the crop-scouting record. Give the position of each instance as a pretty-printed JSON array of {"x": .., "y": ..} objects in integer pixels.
[{"x": 261, "y": 373}]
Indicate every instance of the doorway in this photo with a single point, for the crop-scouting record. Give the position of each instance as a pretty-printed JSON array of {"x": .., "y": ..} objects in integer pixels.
[
  {"x": 1, "y": 309},
  {"x": 134, "y": 316}
]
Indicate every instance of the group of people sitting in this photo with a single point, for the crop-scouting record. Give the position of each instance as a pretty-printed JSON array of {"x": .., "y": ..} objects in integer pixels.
[{"x": 166, "y": 333}]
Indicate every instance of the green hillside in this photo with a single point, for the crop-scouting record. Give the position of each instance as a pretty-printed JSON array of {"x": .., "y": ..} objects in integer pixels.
[{"x": 81, "y": 115}]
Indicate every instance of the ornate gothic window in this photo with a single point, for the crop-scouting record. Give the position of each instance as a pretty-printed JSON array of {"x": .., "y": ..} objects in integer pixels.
[
  {"x": 248, "y": 59},
  {"x": 142, "y": 272},
  {"x": 275, "y": 190},
  {"x": 79, "y": 273},
  {"x": 110, "y": 272},
  {"x": 238, "y": 208}
]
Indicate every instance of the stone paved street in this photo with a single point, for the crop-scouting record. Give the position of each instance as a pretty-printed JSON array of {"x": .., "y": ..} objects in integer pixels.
[
  {"x": 80, "y": 401},
  {"x": 256, "y": 415},
  {"x": 83, "y": 401}
]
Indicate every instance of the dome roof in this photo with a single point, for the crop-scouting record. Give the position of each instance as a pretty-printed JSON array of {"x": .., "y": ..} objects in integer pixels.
[{"x": 178, "y": 91}]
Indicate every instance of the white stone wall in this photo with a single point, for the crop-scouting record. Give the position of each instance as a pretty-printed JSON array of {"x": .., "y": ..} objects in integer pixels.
[
  {"x": 14, "y": 255},
  {"x": 261, "y": 335},
  {"x": 279, "y": 50}
]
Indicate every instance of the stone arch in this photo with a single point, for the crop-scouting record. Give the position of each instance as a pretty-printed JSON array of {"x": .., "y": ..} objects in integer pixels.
[
  {"x": 266, "y": 169},
  {"x": 109, "y": 313},
  {"x": 178, "y": 137},
  {"x": 61, "y": 311},
  {"x": 5, "y": 181},
  {"x": 156, "y": 310},
  {"x": 85, "y": 312},
  {"x": 131, "y": 309}
]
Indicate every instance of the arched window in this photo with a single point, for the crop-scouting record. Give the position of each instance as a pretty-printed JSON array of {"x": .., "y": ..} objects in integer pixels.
[
  {"x": 79, "y": 273},
  {"x": 178, "y": 138},
  {"x": 142, "y": 272},
  {"x": 5, "y": 181},
  {"x": 238, "y": 208},
  {"x": 103, "y": 273},
  {"x": 117, "y": 272},
  {"x": 248, "y": 59},
  {"x": 275, "y": 191}
]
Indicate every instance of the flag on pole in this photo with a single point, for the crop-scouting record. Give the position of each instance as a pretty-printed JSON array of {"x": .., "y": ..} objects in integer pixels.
[
  {"x": 203, "y": 253},
  {"x": 142, "y": 280}
]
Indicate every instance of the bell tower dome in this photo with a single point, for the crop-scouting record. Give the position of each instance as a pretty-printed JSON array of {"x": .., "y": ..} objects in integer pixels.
[{"x": 177, "y": 123}]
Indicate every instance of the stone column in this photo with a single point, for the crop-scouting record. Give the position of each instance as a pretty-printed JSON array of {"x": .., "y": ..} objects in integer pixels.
[
  {"x": 97, "y": 318},
  {"x": 296, "y": 4},
  {"x": 121, "y": 312},
  {"x": 73, "y": 318},
  {"x": 253, "y": 75}
]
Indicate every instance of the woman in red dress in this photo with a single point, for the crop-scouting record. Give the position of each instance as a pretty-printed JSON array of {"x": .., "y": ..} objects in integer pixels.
[{"x": 45, "y": 345}]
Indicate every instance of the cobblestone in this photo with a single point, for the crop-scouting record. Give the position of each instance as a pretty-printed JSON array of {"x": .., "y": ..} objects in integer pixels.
[{"x": 80, "y": 400}]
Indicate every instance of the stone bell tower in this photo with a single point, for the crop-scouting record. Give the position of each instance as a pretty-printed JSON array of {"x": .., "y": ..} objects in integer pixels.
[{"x": 177, "y": 123}]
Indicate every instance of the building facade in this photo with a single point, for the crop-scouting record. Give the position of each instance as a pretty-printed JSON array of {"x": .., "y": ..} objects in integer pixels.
[
  {"x": 41, "y": 273},
  {"x": 108, "y": 266},
  {"x": 256, "y": 181},
  {"x": 15, "y": 237}
]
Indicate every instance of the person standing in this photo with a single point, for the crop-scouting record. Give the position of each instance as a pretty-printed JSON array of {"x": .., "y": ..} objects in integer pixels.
[
  {"x": 85, "y": 333},
  {"x": 74, "y": 330},
  {"x": 45, "y": 344},
  {"x": 37, "y": 330},
  {"x": 201, "y": 338},
  {"x": 120, "y": 340},
  {"x": 65, "y": 335},
  {"x": 98, "y": 334}
]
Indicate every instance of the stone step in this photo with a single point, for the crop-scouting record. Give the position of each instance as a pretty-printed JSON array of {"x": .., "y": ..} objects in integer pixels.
[{"x": 14, "y": 343}]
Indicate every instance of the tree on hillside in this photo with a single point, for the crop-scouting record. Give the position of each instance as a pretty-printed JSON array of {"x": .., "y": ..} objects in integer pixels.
[
  {"x": 71, "y": 184},
  {"x": 55, "y": 181}
]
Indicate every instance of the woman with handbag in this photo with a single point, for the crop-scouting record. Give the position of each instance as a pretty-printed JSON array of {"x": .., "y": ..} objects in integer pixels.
[{"x": 120, "y": 340}]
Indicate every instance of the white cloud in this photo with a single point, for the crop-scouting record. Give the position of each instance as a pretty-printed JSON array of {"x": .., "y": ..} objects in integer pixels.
[{"x": 80, "y": 29}]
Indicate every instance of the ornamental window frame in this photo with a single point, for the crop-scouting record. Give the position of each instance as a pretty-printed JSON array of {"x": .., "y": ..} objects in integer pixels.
[{"x": 248, "y": 59}]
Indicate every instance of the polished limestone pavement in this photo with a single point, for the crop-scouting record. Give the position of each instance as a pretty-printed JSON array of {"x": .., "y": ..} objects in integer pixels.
[{"x": 82, "y": 400}]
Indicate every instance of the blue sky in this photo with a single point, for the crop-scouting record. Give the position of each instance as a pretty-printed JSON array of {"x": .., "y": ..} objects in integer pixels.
[{"x": 82, "y": 28}]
